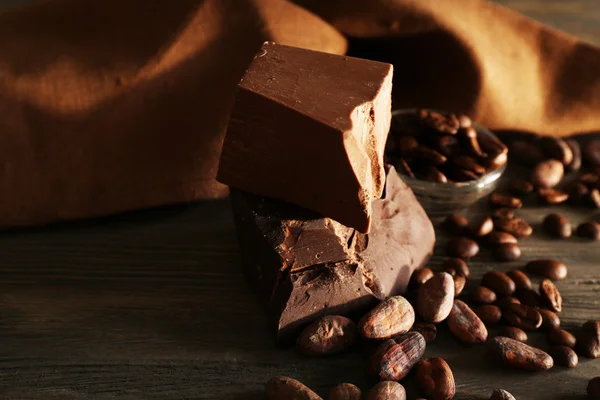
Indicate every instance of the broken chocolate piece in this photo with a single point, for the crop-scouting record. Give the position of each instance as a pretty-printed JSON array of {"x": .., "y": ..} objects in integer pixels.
[{"x": 310, "y": 128}]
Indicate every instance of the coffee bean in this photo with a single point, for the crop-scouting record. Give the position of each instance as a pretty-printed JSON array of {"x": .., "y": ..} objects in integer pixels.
[
  {"x": 405, "y": 145},
  {"x": 549, "y": 320},
  {"x": 590, "y": 179},
  {"x": 436, "y": 298},
  {"x": 387, "y": 390},
  {"x": 547, "y": 174},
  {"x": 456, "y": 224},
  {"x": 513, "y": 333},
  {"x": 285, "y": 388},
  {"x": 503, "y": 212},
  {"x": 503, "y": 303},
  {"x": 462, "y": 247},
  {"x": 499, "y": 237},
  {"x": 473, "y": 148},
  {"x": 499, "y": 394},
  {"x": 552, "y": 196},
  {"x": 589, "y": 230},
  {"x": 526, "y": 152},
  {"x": 447, "y": 124},
  {"x": 557, "y": 226},
  {"x": 548, "y": 268},
  {"x": 481, "y": 226},
  {"x": 391, "y": 317},
  {"x": 483, "y": 295},
  {"x": 499, "y": 282},
  {"x": 577, "y": 192},
  {"x": 420, "y": 276},
  {"x": 564, "y": 356},
  {"x": 328, "y": 335},
  {"x": 464, "y": 121},
  {"x": 518, "y": 355},
  {"x": 447, "y": 145},
  {"x": 405, "y": 169},
  {"x": 588, "y": 340},
  {"x": 465, "y": 325},
  {"x": 428, "y": 330},
  {"x": 522, "y": 316},
  {"x": 515, "y": 226},
  {"x": 435, "y": 378},
  {"x": 520, "y": 187},
  {"x": 459, "y": 175},
  {"x": 345, "y": 391},
  {"x": 458, "y": 265},
  {"x": 459, "y": 285},
  {"x": 529, "y": 297},
  {"x": 429, "y": 156},
  {"x": 561, "y": 337},
  {"x": 550, "y": 295},
  {"x": 496, "y": 150},
  {"x": 433, "y": 174},
  {"x": 575, "y": 164},
  {"x": 489, "y": 314},
  {"x": 507, "y": 252},
  {"x": 394, "y": 358},
  {"x": 469, "y": 164},
  {"x": 593, "y": 198},
  {"x": 520, "y": 279},
  {"x": 499, "y": 200},
  {"x": 593, "y": 388},
  {"x": 591, "y": 152},
  {"x": 557, "y": 149}
]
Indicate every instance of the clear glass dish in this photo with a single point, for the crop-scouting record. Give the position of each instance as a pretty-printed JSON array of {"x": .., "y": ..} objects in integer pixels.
[{"x": 439, "y": 199}]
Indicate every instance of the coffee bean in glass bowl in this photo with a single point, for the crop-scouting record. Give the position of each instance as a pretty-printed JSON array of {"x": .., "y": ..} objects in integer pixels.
[{"x": 448, "y": 163}]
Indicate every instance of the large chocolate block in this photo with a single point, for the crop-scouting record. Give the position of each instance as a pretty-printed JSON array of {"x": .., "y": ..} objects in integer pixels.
[
  {"x": 310, "y": 128},
  {"x": 304, "y": 266}
]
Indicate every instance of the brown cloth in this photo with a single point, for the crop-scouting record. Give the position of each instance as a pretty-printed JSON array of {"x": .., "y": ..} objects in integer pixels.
[{"x": 113, "y": 105}]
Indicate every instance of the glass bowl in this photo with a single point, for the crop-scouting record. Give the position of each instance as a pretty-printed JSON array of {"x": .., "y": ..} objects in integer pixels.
[{"x": 439, "y": 199}]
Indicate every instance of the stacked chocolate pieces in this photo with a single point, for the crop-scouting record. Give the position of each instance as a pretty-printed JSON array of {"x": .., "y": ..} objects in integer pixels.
[{"x": 323, "y": 227}]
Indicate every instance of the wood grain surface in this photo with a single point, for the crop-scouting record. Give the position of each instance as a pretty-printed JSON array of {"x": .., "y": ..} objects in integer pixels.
[{"x": 152, "y": 304}]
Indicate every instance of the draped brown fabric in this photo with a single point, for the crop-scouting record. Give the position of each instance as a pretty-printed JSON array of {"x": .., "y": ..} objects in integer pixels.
[{"x": 114, "y": 105}]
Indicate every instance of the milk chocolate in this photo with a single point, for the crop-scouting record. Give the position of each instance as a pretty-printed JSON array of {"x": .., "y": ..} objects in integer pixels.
[
  {"x": 310, "y": 128},
  {"x": 303, "y": 266}
]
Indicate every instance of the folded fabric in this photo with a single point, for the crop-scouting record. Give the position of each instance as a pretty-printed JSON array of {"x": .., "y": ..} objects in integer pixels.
[{"x": 117, "y": 105}]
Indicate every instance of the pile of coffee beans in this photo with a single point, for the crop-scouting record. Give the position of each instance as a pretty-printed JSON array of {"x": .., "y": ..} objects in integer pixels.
[{"x": 442, "y": 148}]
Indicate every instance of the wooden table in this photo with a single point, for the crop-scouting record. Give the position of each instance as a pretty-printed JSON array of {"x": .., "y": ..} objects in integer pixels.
[{"x": 152, "y": 304}]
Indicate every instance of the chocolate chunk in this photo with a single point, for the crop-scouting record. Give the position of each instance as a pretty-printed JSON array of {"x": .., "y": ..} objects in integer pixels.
[
  {"x": 310, "y": 128},
  {"x": 304, "y": 266}
]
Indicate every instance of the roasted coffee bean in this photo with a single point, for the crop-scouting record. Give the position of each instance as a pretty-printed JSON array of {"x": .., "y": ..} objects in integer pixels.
[
  {"x": 428, "y": 330},
  {"x": 593, "y": 388},
  {"x": 391, "y": 317},
  {"x": 458, "y": 265},
  {"x": 507, "y": 252},
  {"x": 328, "y": 335},
  {"x": 549, "y": 319},
  {"x": 285, "y": 388},
  {"x": 575, "y": 164},
  {"x": 499, "y": 394},
  {"x": 521, "y": 187},
  {"x": 489, "y": 314},
  {"x": 522, "y": 316},
  {"x": 420, "y": 276},
  {"x": 588, "y": 340},
  {"x": 557, "y": 226},
  {"x": 481, "y": 226},
  {"x": 496, "y": 150},
  {"x": 456, "y": 224},
  {"x": 464, "y": 121},
  {"x": 429, "y": 156},
  {"x": 345, "y": 391},
  {"x": 503, "y": 303},
  {"x": 550, "y": 295},
  {"x": 499, "y": 282},
  {"x": 557, "y": 149},
  {"x": 405, "y": 169},
  {"x": 564, "y": 356},
  {"x": 520, "y": 279},
  {"x": 591, "y": 152},
  {"x": 462, "y": 247},
  {"x": 548, "y": 268},
  {"x": 465, "y": 325},
  {"x": 474, "y": 148},
  {"x": 387, "y": 390},
  {"x": 435, "y": 378},
  {"x": 459, "y": 285},
  {"x": 405, "y": 145},
  {"x": 434, "y": 175},
  {"x": 500, "y": 200},
  {"x": 447, "y": 145},
  {"x": 589, "y": 179},
  {"x": 593, "y": 198},
  {"x": 517, "y": 227},
  {"x": 469, "y": 164},
  {"x": 513, "y": 333},
  {"x": 529, "y": 297},
  {"x": 562, "y": 337},
  {"x": 526, "y": 152},
  {"x": 483, "y": 295},
  {"x": 459, "y": 174},
  {"x": 499, "y": 237},
  {"x": 503, "y": 212},
  {"x": 394, "y": 358},
  {"x": 436, "y": 298},
  {"x": 577, "y": 192},
  {"x": 547, "y": 174},
  {"x": 552, "y": 196},
  {"x": 447, "y": 124},
  {"x": 589, "y": 230},
  {"x": 518, "y": 355}
]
